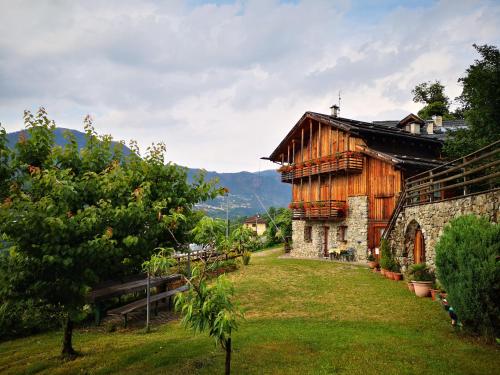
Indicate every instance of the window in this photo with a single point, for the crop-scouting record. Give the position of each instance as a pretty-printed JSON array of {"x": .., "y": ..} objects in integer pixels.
[
  {"x": 342, "y": 233},
  {"x": 308, "y": 233}
]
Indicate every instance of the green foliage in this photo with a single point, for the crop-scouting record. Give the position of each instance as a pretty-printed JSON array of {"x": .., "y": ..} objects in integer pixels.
[
  {"x": 468, "y": 269},
  {"x": 280, "y": 227},
  {"x": 420, "y": 272},
  {"x": 159, "y": 263},
  {"x": 243, "y": 239},
  {"x": 386, "y": 257},
  {"x": 432, "y": 95},
  {"x": 480, "y": 101},
  {"x": 246, "y": 257},
  {"x": 209, "y": 232},
  {"x": 72, "y": 218},
  {"x": 210, "y": 308}
]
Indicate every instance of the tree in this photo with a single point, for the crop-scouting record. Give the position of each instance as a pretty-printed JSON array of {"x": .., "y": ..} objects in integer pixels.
[
  {"x": 209, "y": 307},
  {"x": 432, "y": 95},
  {"x": 468, "y": 268},
  {"x": 480, "y": 101},
  {"x": 74, "y": 217}
]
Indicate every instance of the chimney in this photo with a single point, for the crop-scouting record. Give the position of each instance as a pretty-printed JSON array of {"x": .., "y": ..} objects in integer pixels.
[
  {"x": 438, "y": 121},
  {"x": 430, "y": 127},
  {"x": 415, "y": 128},
  {"x": 335, "y": 110}
]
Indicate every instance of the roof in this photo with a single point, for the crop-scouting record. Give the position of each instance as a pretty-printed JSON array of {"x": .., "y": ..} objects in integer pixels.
[
  {"x": 401, "y": 159},
  {"x": 454, "y": 123},
  {"x": 355, "y": 127},
  {"x": 256, "y": 219}
]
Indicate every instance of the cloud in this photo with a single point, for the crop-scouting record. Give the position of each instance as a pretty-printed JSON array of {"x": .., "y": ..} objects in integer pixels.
[{"x": 222, "y": 82}]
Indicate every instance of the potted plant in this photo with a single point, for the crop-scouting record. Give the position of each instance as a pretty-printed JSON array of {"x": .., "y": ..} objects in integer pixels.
[
  {"x": 422, "y": 279},
  {"x": 372, "y": 262},
  {"x": 396, "y": 272},
  {"x": 386, "y": 258}
]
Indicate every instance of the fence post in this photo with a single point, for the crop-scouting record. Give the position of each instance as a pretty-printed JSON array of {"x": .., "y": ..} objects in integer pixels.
[{"x": 466, "y": 189}]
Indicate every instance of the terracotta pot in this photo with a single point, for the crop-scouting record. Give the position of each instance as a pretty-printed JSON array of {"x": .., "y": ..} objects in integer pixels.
[
  {"x": 388, "y": 274},
  {"x": 434, "y": 292},
  {"x": 372, "y": 264},
  {"x": 397, "y": 276},
  {"x": 382, "y": 271},
  {"x": 410, "y": 287},
  {"x": 422, "y": 288},
  {"x": 376, "y": 270}
]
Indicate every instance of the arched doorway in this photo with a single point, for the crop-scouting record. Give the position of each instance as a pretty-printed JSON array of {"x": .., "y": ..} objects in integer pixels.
[
  {"x": 419, "y": 247},
  {"x": 414, "y": 243}
]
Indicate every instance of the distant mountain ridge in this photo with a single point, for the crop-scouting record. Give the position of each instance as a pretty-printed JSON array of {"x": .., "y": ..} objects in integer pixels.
[{"x": 245, "y": 188}]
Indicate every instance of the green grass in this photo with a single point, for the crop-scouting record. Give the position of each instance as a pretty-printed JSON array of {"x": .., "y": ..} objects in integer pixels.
[{"x": 302, "y": 317}]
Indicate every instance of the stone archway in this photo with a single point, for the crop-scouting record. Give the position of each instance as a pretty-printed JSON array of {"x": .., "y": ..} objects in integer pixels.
[{"x": 414, "y": 243}]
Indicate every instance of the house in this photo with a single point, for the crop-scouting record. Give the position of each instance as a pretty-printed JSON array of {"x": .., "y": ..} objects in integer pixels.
[
  {"x": 346, "y": 176},
  {"x": 257, "y": 224}
]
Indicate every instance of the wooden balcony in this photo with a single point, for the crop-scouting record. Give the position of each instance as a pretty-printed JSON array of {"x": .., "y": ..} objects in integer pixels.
[
  {"x": 318, "y": 210},
  {"x": 348, "y": 161}
]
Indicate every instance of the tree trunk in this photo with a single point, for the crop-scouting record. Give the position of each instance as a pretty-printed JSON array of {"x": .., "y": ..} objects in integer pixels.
[
  {"x": 67, "y": 349},
  {"x": 228, "y": 356}
]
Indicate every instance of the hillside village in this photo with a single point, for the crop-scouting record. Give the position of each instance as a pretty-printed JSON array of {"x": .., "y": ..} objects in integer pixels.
[{"x": 245, "y": 227}]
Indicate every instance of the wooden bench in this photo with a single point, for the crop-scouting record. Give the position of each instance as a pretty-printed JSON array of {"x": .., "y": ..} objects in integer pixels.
[{"x": 125, "y": 310}]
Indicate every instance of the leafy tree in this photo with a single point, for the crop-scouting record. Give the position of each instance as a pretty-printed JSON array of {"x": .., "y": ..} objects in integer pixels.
[
  {"x": 5, "y": 171},
  {"x": 209, "y": 233},
  {"x": 432, "y": 95},
  {"x": 209, "y": 307},
  {"x": 243, "y": 238},
  {"x": 480, "y": 100},
  {"x": 468, "y": 268},
  {"x": 74, "y": 217}
]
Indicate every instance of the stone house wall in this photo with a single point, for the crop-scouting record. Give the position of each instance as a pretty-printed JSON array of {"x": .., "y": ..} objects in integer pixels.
[
  {"x": 432, "y": 218},
  {"x": 356, "y": 224}
]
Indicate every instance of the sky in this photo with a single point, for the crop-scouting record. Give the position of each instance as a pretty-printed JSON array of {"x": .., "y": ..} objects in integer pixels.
[{"x": 222, "y": 82}]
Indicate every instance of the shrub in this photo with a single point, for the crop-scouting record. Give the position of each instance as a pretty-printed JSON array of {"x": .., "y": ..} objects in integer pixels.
[
  {"x": 386, "y": 260},
  {"x": 467, "y": 267},
  {"x": 246, "y": 257},
  {"x": 420, "y": 272}
]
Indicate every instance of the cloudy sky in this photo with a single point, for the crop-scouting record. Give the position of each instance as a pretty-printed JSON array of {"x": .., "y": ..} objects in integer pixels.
[{"x": 221, "y": 82}]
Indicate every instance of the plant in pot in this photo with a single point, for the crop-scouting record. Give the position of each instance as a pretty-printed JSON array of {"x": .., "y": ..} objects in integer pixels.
[
  {"x": 372, "y": 262},
  {"x": 396, "y": 272},
  {"x": 386, "y": 258},
  {"x": 422, "y": 279}
]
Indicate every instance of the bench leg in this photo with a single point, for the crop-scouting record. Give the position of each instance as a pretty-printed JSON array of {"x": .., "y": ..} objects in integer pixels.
[
  {"x": 156, "y": 308},
  {"x": 125, "y": 320},
  {"x": 170, "y": 303}
]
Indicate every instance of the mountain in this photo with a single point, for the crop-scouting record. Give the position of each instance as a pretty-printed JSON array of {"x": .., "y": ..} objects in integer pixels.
[
  {"x": 245, "y": 191},
  {"x": 13, "y": 137},
  {"x": 245, "y": 188}
]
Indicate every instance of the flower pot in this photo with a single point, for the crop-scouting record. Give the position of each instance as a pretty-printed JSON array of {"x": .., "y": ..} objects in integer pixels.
[
  {"x": 383, "y": 271},
  {"x": 397, "y": 276},
  {"x": 422, "y": 288},
  {"x": 410, "y": 287},
  {"x": 376, "y": 270},
  {"x": 388, "y": 274},
  {"x": 372, "y": 264},
  {"x": 434, "y": 292}
]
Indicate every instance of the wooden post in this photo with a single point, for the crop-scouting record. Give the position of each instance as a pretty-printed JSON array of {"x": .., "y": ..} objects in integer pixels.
[
  {"x": 466, "y": 188},
  {"x": 148, "y": 301}
]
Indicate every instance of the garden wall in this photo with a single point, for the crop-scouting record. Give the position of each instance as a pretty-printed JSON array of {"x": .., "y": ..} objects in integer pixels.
[{"x": 431, "y": 219}]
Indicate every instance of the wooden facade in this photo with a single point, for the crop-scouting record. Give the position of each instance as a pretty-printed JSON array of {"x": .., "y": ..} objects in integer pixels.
[{"x": 327, "y": 160}]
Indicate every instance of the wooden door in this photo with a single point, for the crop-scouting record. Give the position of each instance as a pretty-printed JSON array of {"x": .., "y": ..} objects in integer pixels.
[
  {"x": 325, "y": 241},
  {"x": 419, "y": 249},
  {"x": 377, "y": 236}
]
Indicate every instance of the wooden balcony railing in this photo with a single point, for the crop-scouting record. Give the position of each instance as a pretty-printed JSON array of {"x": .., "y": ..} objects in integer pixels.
[
  {"x": 340, "y": 162},
  {"x": 472, "y": 174},
  {"x": 318, "y": 210}
]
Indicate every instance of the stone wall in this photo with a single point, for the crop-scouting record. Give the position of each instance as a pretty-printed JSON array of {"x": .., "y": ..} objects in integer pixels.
[
  {"x": 432, "y": 218},
  {"x": 356, "y": 232}
]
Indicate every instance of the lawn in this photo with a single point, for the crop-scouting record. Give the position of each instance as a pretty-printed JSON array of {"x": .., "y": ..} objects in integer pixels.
[{"x": 302, "y": 317}]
